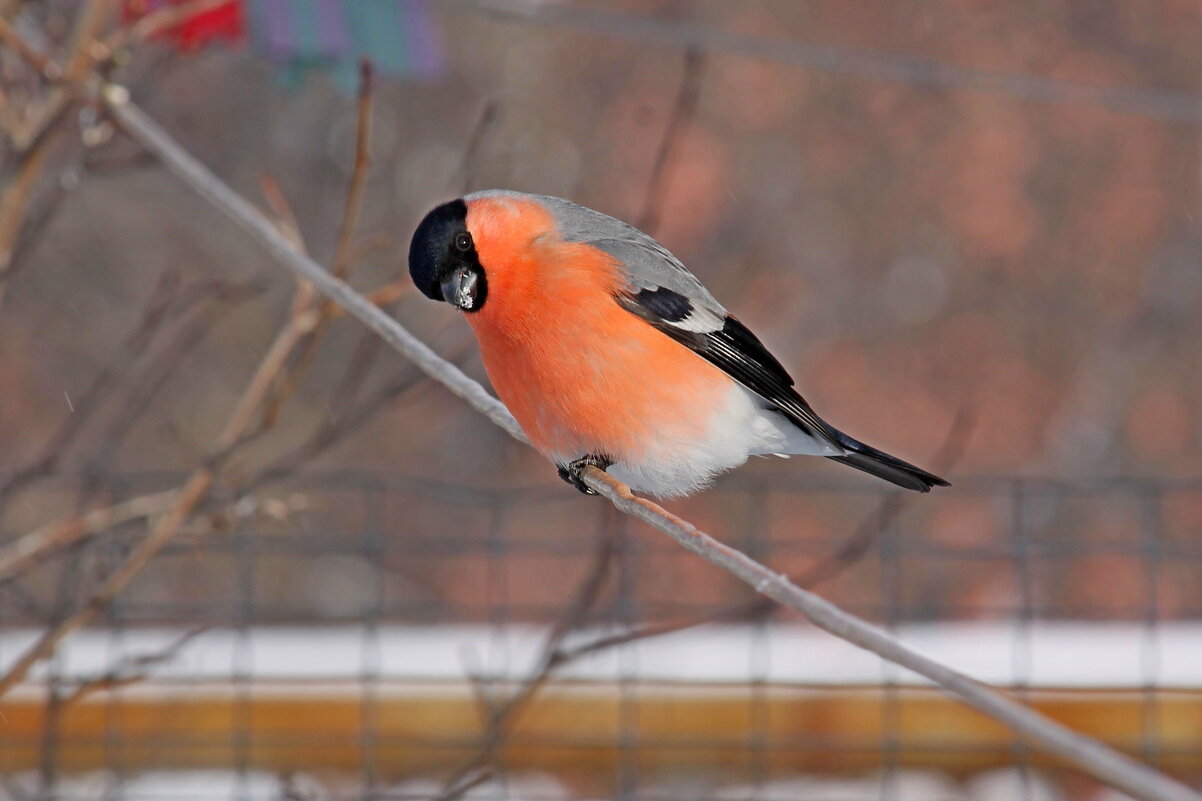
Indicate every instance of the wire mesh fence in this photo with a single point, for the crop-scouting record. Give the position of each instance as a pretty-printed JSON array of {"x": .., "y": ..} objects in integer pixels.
[
  {"x": 361, "y": 630},
  {"x": 359, "y": 635}
]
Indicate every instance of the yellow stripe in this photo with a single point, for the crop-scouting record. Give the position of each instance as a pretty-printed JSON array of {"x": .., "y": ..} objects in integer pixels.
[{"x": 571, "y": 727}]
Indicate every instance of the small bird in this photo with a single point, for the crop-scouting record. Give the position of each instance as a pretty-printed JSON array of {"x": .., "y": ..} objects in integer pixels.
[{"x": 610, "y": 353}]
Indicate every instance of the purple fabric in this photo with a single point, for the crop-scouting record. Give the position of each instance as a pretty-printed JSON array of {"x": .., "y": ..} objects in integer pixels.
[
  {"x": 276, "y": 34},
  {"x": 333, "y": 38},
  {"x": 422, "y": 39}
]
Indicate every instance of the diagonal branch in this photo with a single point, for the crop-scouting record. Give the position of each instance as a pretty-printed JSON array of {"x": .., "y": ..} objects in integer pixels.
[
  {"x": 166, "y": 304},
  {"x": 60, "y": 534},
  {"x": 33, "y": 145},
  {"x": 849, "y": 552},
  {"x": 1104, "y": 763},
  {"x": 246, "y": 216},
  {"x": 131, "y": 670},
  {"x": 344, "y": 255},
  {"x": 182, "y": 503},
  {"x": 501, "y": 718},
  {"x": 34, "y": 57},
  {"x": 359, "y": 172}
]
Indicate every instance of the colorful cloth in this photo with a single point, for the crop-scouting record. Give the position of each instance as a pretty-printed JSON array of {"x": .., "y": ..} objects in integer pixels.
[
  {"x": 225, "y": 22},
  {"x": 302, "y": 36},
  {"x": 398, "y": 36}
]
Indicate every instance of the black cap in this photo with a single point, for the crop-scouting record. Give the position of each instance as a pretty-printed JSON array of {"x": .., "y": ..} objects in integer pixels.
[{"x": 433, "y": 246}]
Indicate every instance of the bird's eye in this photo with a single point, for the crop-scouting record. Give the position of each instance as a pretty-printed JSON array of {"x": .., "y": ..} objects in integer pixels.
[{"x": 463, "y": 242}]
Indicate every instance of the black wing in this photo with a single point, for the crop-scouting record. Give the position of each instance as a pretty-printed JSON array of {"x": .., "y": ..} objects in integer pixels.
[{"x": 733, "y": 349}]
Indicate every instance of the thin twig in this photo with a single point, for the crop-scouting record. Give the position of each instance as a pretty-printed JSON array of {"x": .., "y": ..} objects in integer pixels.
[
  {"x": 81, "y": 54},
  {"x": 302, "y": 321},
  {"x": 135, "y": 122},
  {"x": 38, "y": 217},
  {"x": 848, "y": 553},
  {"x": 331, "y": 431},
  {"x": 131, "y": 670},
  {"x": 1108, "y": 765},
  {"x": 181, "y": 507},
  {"x": 344, "y": 250},
  {"x": 359, "y": 173},
  {"x": 63, "y": 533},
  {"x": 192, "y": 493},
  {"x": 198, "y": 314},
  {"x": 151, "y": 321},
  {"x": 281, "y": 210},
  {"x": 134, "y": 374},
  {"x": 80, "y": 59},
  {"x": 34, "y": 57},
  {"x": 502, "y": 717},
  {"x": 33, "y": 146},
  {"x": 15, "y": 203},
  {"x": 683, "y": 110}
]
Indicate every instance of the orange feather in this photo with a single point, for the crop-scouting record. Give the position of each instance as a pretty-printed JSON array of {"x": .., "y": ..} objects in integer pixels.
[{"x": 580, "y": 373}]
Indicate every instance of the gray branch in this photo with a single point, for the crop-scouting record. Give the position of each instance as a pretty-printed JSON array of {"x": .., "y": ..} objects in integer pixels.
[{"x": 1090, "y": 755}]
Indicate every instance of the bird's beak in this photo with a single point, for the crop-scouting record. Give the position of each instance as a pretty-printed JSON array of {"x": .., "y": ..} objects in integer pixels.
[{"x": 460, "y": 287}]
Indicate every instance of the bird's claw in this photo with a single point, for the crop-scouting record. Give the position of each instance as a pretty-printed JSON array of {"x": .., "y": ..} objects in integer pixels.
[{"x": 574, "y": 472}]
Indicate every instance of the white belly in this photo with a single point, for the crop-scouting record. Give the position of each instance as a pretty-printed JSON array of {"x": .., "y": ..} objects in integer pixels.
[{"x": 742, "y": 428}]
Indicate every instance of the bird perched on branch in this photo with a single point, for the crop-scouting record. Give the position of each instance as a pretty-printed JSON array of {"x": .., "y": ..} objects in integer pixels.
[{"x": 610, "y": 353}]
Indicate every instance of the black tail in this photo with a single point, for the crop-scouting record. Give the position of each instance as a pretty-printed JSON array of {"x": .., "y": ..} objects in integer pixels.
[{"x": 882, "y": 465}]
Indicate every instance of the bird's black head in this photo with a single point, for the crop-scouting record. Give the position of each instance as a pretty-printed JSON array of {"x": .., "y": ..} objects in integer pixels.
[{"x": 443, "y": 261}]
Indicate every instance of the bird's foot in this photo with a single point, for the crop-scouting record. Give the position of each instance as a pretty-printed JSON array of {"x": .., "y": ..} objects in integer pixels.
[{"x": 574, "y": 472}]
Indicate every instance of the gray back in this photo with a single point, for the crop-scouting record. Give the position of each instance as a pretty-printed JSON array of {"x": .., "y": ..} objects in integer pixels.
[{"x": 648, "y": 264}]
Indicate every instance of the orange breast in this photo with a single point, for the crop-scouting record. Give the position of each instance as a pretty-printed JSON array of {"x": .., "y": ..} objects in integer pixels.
[{"x": 581, "y": 374}]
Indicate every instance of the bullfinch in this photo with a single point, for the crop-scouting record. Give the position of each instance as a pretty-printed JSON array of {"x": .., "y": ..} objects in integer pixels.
[{"x": 610, "y": 353}]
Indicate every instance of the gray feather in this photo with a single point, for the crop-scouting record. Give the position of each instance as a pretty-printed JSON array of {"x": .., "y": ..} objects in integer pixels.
[{"x": 647, "y": 263}]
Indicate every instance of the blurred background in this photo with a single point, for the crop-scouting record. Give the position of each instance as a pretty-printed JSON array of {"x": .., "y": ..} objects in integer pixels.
[{"x": 969, "y": 231}]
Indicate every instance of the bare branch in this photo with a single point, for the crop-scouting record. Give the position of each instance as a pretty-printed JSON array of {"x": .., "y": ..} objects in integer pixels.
[
  {"x": 183, "y": 503},
  {"x": 344, "y": 251},
  {"x": 501, "y": 717},
  {"x": 82, "y": 55},
  {"x": 1121, "y": 771},
  {"x": 38, "y": 60},
  {"x": 846, "y": 555},
  {"x": 137, "y": 395},
  {"x": 331, "y": 431},
  {"x": 152, "y": 319},
  {"x": 265, "y": 384},
  {"x": 281, "y": 209},
  {"x": 15, "y": 203},
  {"x": 60, "y": 534},
  {"x": 247, "y": 217},
  {"x": 131, "y": 670},
  {"x": 359, "y": 172},
  {"x": 33, "y": 145},
  {"x": 181, "y": 506}
]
